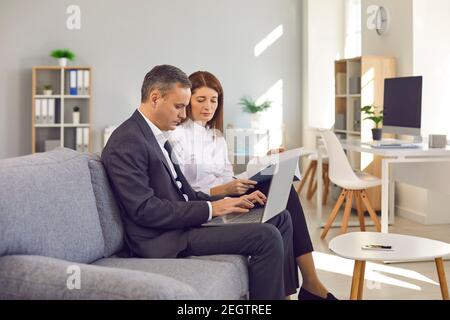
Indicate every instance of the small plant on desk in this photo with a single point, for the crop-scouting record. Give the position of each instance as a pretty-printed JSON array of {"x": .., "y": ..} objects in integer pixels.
[{"x": 373, "y": 113}]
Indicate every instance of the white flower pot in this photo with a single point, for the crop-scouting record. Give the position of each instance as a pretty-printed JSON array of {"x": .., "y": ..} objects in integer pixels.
[
  {"x": 256, "y": 120},
  {"x": 62, "y": 62},
  {"x": 76, "y": 117},
  {"x": 47, "y": 92}
]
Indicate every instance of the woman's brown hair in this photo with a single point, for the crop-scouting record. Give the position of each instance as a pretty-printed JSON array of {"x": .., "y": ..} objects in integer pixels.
[{"x": 202, "y": 79}]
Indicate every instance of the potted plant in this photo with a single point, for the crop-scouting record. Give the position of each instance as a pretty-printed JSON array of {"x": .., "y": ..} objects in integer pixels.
[
  {"x": 255, "y": 110},
  {"x": 47, "y": 90},
  {"x": 63, "y": 55},
  {"x": 373, "y": 113}
]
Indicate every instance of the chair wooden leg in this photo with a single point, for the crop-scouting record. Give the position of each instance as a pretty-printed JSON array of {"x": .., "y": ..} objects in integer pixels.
[
  {"x": 348, "y": 210},
  {"x": 334, "y": 213},
  {"x": 361, "y": 280},
  {"x": 442, "y": 278},
  {"x": 372, "y": 213},
  {"x": 359, "y": 207},
  {"x": 354, "y": 293},
  {"x": 310, "y": 192},
  {"x": 326, "y": 184},
  {"x": 314, "y": 189},
  {"x": 305, "y": 178}
]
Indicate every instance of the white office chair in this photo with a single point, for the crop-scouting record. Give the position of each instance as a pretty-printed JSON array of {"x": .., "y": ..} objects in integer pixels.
[{"x": 353, "y": 185}]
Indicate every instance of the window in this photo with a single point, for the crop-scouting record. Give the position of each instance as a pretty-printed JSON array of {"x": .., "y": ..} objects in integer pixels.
[{"x": 352, "y": 28}]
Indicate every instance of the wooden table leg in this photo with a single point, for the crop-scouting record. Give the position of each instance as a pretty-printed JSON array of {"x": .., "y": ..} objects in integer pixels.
[
  {"x": 361, "y": 280},
  {"x": 354, "y": 293},
  {"x": 442, "y": 279}
]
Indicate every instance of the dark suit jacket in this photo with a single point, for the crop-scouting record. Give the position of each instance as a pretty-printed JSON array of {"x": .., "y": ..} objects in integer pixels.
[{"x": 153, "y": 210}]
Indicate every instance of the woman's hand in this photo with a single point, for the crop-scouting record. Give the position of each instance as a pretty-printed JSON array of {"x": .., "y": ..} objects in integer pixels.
[
  {"x": 275, "y": 151},
  {"x": 239, "y": 186},
  {"x": 235, "y": 187},
  {"x": 256, "y": 196}
]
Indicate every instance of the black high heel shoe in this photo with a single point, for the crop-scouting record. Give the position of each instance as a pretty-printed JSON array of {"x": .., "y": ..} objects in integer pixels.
[{"x": 306, "y": 295}]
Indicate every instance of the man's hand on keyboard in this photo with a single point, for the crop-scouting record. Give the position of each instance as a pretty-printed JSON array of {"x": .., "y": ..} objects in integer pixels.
[
  {"x": 256, "y": 196},
  {"x": 231, "y": 205}
]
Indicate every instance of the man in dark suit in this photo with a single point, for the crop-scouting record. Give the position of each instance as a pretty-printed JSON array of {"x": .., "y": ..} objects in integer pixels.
[{"x": 162, "y": 214}]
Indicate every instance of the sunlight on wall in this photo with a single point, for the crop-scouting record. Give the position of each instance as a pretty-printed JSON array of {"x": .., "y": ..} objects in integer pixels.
[
  {"x": 367, "y": 91},
  {"x": 272, "y": 119},
  {"x": 269, "y": 40}
]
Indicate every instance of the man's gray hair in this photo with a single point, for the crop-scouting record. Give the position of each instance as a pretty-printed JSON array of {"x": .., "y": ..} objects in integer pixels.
[{"x": 163, "y": 78}]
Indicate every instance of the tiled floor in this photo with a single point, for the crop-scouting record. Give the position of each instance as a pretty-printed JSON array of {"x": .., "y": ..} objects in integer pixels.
[{"x": 398, "y": 281}]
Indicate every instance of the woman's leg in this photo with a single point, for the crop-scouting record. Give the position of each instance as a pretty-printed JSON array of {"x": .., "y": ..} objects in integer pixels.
[{"x": 303, "y": 247}]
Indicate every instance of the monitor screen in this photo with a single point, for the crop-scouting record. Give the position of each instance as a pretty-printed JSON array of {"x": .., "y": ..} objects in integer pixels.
[{"x": 403, "y": 102}]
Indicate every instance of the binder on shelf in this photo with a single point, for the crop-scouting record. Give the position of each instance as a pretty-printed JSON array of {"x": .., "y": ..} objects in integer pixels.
[
  {"x": 85, "y": 139},
  {"x": 37, "y": 111},
  {"x": 341, "y": 83},
  {"x": 79, "y": 140},
  {"x": 73, "y": 82},
  {"x": 44, "y": 111},
  {"x": 51, "y": 111},
  {"x": 86, "y": 82},
  {"x": 80, "y": 82}
]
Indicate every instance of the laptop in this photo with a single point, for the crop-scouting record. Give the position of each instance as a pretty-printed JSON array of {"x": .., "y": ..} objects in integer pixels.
[{"x": 277, "y": 198}]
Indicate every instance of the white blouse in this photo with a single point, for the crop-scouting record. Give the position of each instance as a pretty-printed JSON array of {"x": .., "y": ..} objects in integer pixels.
[{"x": 202, "y": 154}]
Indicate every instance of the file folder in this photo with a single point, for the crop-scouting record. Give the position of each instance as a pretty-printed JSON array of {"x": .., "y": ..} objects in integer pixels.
[
  {"x": 44, "y": 111},
  {"x": 86, "y": 82},
  {"x": 79, "y": 140},
  {"x": 37, "y": 111},
  {"x": 80, "y": 82},
  {"x": 73, "y": 82},
  {"x": 85, "y": 139},
  {"x": 51, "y": 111}
]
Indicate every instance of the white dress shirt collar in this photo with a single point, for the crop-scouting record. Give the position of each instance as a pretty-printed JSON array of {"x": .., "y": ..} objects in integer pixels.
[{"x": 160, "y": 136}]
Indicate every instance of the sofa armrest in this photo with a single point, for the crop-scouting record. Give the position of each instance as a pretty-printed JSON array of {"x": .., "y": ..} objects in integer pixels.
[{"x": 37, "y": 277}]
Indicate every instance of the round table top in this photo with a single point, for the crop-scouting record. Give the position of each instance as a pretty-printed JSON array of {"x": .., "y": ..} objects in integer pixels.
[{"x": 404, "y": 248}]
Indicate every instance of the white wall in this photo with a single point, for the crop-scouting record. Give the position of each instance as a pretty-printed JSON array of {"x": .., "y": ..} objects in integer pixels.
[
  {"x": 122, "y": 40},
  {"x": 323, "y": 42},
  {"x": 432, "y": 60},
  {"x": 398, "y": 41},
  {"x": 418, "y": 38}
]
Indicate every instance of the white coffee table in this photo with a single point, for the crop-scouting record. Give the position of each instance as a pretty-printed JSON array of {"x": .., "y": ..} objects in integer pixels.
[{"x": 405, "y": 248}]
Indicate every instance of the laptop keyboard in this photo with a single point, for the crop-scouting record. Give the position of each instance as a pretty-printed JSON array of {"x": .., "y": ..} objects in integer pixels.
[
  {"x": 254, "y": 216},
  {"x": 248, "y": 218}
]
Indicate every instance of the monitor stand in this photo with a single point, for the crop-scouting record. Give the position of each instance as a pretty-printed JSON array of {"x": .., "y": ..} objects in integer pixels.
[{"x": 409, "y": 139}]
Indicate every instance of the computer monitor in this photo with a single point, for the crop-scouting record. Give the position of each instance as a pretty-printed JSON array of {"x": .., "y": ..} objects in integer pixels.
[{"x": 403, "y": 106}]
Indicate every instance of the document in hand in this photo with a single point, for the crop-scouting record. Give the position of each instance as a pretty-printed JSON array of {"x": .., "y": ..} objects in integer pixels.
[{"x": 261, "y": 169}]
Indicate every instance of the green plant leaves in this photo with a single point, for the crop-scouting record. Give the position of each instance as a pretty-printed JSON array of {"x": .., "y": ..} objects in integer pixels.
[
  {"x": 250, "y": 106},
  {"x": 63, "y": 53},
  {"x": 373, "y": 114}
]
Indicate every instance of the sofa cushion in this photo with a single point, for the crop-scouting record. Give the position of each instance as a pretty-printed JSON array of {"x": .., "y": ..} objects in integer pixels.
[
  {"x": 47, "y": 207},
  {"x": 108, "y": 210},
  {"x": 35, "y": 277},
  {"x": 215, "y": 279}
]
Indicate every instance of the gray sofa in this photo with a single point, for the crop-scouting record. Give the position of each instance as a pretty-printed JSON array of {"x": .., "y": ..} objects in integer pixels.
[{"x": 60, "y": 229}]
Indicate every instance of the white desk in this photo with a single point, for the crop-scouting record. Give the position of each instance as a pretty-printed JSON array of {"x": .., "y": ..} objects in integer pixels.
[{"x": 390, "y": 157}]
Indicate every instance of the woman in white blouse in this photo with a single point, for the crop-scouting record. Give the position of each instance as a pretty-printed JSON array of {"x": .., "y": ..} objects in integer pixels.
[{"x": 201, "y": 152}]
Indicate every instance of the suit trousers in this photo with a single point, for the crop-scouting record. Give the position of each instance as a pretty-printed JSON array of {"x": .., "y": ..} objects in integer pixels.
[
  {"x": 302, "y": 239},
  {"x": 272, "y": 267}
]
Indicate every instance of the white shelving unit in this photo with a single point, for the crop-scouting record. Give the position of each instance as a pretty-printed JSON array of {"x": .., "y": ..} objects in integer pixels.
[{"x": 63, "y": 129}]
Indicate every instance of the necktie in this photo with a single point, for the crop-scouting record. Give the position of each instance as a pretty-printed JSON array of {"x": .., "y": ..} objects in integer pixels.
[{"x": 169, "y": 150}]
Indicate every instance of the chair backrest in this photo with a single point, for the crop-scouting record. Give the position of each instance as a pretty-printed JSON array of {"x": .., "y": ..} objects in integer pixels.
[{"x": 339, "y": 168}]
